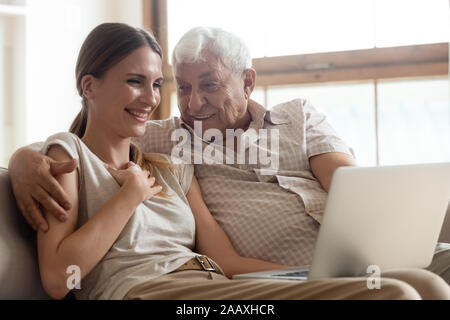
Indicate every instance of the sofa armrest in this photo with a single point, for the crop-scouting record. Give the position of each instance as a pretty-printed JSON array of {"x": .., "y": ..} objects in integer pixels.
[{"x": 19, "y": 270}]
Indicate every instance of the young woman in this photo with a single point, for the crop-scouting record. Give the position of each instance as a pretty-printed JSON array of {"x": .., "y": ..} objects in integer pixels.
[{"x": 138, "y": 227}]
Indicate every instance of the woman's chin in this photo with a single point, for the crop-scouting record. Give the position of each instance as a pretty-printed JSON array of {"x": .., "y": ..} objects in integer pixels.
[{"x": 138, "y": 133}]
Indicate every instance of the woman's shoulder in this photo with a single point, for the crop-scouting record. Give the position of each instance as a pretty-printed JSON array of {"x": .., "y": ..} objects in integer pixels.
[
  {"x": 161, "y": 156},
  {"x": 65, "y": 136},
  {"x": 68, "y": 141},
  {"x": 182, "y": 172},
  {"x": 169, "y": 160}
]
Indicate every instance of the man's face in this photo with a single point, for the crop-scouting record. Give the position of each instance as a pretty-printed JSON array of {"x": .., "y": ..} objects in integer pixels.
[{"x": 211, "y": 93}]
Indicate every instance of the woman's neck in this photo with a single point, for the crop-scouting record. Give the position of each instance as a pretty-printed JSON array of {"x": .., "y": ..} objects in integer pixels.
[{"x": 111, "y": 149}]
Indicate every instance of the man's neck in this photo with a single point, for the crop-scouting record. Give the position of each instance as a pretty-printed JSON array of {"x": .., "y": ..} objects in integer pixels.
[{"x": 242, "y": 124}]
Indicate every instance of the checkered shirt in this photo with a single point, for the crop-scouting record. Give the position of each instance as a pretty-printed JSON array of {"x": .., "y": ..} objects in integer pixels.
[{"x": 274, "y": 214}]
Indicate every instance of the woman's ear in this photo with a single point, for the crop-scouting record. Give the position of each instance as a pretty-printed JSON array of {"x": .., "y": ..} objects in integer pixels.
[
  {"x": 249, "y": 81},
  {"x": 87, "y": 85}
]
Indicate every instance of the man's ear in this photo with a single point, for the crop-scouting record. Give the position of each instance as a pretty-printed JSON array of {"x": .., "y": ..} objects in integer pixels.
[
  {"x": 87, "y": 84},
  {"x": 249, "y": 81}
]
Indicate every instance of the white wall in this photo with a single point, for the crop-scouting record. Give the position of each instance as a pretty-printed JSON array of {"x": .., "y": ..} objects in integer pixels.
[
  {"x": 38, "y": 53},
  {"x": 12, "y": 75},
  {"x": 2, "y": 91},
  {"x": 55, "y": 32}
]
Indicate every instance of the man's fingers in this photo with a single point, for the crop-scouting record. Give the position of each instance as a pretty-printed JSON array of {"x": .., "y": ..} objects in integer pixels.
[
  {"x": 26, "y": 216},
  {"x": 35, "y": 215},
  {"x": 54, "y": 189},
  {"x": 58, "y": 168},
  {"x": 50, "y": 205}
]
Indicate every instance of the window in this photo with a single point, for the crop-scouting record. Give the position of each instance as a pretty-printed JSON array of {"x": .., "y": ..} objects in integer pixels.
[
  {"x": 414, "y": 121},
  {"x": 413, "y": 117},
  {"x": 350, "y": 110},
  {"x": 286, "y": 27},
  {"x": 358, "y": 61}
]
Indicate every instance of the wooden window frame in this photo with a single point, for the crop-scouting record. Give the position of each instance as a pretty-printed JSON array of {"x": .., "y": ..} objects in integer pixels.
[{"x": 402, "y": 62}]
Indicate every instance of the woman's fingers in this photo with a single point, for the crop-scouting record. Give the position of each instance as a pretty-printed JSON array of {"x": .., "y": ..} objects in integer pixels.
[
  {"x": 134, "y": 167},
  {"x": 116, "y": 174},
  {"x": 129, "y": 164},
  {"x": 154, "y": 191}
]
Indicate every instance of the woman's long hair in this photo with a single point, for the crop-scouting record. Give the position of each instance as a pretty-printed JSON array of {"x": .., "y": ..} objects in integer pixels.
[{"x": 106, "y": 46}]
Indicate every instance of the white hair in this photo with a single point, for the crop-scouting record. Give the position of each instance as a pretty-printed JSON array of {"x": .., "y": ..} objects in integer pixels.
[{"x": 227, "y": 47}]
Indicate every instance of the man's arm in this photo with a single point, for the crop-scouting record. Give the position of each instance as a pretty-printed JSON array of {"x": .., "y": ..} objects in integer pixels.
[
  {"x": 324, "y": 165},
  {"x": 34, "y": 185}
]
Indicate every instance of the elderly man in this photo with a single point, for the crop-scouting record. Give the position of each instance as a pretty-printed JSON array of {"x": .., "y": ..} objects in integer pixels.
[{"x": 270, "y": 209}]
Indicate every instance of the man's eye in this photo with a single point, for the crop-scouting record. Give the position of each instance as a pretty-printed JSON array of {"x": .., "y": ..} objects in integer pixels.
[
  {"x": 210, "y": 85},
  {"x": 157, "y": 85}
]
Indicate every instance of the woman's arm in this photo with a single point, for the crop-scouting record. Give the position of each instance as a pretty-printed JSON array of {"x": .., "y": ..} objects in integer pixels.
[
  {"x": 212, "y": 241},
  {"x": 63, "y": 246}
]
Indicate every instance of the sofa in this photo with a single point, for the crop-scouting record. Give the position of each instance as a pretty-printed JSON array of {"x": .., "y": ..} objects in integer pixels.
[{"x": 19, "y": 272}]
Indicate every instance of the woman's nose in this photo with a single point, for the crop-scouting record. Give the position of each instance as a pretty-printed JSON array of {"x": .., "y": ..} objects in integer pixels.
[{"x": 150, "y": 97}]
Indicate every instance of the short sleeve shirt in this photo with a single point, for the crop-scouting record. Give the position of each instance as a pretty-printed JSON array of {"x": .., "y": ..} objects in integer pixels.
[{"x": 269, "y": 212}]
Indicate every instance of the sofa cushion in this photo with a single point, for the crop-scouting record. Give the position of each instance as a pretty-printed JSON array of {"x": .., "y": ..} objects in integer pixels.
[{"x": 19, "y": 271}]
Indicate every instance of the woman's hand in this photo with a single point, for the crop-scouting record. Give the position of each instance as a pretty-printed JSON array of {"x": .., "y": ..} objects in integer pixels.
[{"x": 141, "y": 186}]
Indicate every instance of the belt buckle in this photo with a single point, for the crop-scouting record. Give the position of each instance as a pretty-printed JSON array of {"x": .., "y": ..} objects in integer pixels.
[{"x": 213, "y": 269}]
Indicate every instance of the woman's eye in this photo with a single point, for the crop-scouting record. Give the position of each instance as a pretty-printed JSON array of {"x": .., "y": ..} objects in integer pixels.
[
  {"x": 134, "y": 81},
  {"x": 157, "y": 85}
]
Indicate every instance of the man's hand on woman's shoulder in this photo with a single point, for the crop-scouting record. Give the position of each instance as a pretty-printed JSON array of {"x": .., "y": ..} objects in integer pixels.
[{"x": 34, "y": 185}]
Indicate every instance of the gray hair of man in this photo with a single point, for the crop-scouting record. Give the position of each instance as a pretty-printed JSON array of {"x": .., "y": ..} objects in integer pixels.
[{"x": 226, "y": 46}]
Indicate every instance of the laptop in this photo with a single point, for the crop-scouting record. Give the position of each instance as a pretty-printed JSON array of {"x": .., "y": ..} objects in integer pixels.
[{"x": 388, "y": 217}]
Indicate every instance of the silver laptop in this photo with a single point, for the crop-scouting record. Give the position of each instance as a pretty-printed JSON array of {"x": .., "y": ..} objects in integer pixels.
[{"x": 388, "y": 217}]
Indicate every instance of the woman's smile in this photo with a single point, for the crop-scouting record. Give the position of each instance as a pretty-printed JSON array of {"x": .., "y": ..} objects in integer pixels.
[{"x": 140, "y": 115}]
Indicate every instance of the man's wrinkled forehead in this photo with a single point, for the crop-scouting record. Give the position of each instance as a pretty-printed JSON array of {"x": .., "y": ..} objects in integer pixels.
[{"x": 211, "y": 67}]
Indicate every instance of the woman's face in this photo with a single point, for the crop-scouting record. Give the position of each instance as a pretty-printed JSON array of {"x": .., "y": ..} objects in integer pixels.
[{"x": 125, "y": 97}]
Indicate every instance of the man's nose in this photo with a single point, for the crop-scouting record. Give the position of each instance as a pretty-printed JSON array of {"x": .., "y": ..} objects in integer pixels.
[{"x": 195, "y": 102}]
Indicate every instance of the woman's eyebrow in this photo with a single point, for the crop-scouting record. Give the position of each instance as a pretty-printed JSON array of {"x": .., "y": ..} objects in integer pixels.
[
  {"x": 136, "y": 75},
  {"x": 161, "y": 79}
]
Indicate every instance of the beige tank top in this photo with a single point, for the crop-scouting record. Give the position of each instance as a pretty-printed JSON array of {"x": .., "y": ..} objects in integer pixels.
[{"x": 158, "y": 238}]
